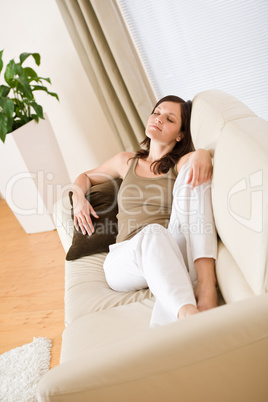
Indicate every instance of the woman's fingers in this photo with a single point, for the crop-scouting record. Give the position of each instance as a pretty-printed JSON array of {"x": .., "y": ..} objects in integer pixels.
[
  {"x": 93, "y": 212},
  {"x": 76, "y": 223},
  {"x": 201, "y": 168},
  {"x": 190, "y": 177},
  {"x": 83, "y": 222},
  {"x": 194, "y": 176},
  {"x": 199, "y": 176},
  {"x": 86, "y": 225},
  {"x": 82, "y": 219}
]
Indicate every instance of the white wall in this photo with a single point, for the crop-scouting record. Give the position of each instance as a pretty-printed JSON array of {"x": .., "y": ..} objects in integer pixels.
[{"x": 80, "y": 126}]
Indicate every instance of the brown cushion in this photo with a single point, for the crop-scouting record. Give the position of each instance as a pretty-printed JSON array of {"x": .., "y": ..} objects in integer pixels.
[{"x": 103, "y": 198}]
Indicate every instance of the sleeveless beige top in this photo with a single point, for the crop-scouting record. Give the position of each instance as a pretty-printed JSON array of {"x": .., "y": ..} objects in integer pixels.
[{"x": 142, "y": 201}]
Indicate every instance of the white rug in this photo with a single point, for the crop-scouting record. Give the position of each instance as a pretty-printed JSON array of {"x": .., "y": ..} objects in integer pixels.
[{"x": 21, "y": 370}]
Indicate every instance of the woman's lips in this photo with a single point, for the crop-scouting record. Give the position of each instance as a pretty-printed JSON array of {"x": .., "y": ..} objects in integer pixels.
[{"x": 156, "y": 127}]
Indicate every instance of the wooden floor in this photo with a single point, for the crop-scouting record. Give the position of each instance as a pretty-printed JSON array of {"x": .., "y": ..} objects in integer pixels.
[{"x": 31, "y": 285}]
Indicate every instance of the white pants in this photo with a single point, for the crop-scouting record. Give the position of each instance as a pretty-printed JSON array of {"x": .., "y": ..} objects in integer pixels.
[{"x": 163, "y": 259}]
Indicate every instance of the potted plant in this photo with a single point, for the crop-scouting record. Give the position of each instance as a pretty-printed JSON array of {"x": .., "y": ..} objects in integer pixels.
[
  {"x": 17, "y": 102},
  {"x": 32, "y": 167}
]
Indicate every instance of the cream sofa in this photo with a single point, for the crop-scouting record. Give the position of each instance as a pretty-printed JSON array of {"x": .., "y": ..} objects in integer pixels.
[{"x": 109, "y": 353}]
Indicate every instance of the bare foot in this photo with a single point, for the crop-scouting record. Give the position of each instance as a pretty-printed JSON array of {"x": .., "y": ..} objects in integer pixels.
[{"x": 187, "y": 310}]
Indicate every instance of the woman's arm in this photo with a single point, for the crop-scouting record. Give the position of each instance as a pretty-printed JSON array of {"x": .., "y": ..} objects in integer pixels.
[
  {"x": 201, "y": 166},
  {"x": 111, "y": 169}
]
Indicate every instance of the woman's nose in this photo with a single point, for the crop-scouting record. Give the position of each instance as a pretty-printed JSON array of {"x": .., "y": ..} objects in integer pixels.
[{"x": 158, "y": 118}]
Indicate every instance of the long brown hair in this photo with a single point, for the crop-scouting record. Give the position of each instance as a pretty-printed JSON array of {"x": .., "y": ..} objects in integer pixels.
[{"x": 183, "y": 147}]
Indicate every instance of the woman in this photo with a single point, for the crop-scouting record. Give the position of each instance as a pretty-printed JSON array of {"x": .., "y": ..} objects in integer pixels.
[{"x": 166, "y": 239}]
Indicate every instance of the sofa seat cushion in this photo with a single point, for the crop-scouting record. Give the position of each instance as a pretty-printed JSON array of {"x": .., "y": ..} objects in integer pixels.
[
  {"x": 105, "y": 327},
  {"x": 86, "y": 289}
]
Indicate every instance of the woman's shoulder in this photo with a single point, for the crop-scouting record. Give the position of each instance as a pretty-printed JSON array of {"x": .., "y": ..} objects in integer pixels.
[
  {"x": 124, "y": 160},
  {"x": 124, "y": 156}
]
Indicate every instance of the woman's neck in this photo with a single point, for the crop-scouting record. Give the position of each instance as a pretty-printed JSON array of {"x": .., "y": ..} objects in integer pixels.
[{"x": 157, "y": 151}]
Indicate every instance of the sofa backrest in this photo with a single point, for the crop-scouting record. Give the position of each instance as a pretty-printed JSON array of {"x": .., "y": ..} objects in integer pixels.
[{"x": 239, "y": 141}]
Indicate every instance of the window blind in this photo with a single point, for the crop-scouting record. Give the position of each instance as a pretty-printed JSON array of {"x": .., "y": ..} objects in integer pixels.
[{"x": 194, "y": 45}]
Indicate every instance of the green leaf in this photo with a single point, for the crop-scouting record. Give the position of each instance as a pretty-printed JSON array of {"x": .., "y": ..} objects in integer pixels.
[
  {"x": 10, "y": 73},
  {"x": 36, "y": 57},
  {"x": 42, "y": 88},
  {"x": 18, "y": 102},
  {"x": 20, "y": 71},
  {"x": 30, "y": 73},
  {"x": 24, "y": 88},
  {"x": 1, "y": 60},
  {"x": 20, "y": 121},
  {"x": 6, "y": 107},
  {"x": 36, "y": 118},
  {"x": 5, "y": 126},
  {"x": 24, "y": 56},
  {"x": 45, "y": 79},
  {"x": 4, "y": 90},
  {"x": 21, "y": 107},
  {"x": 40, "y": 79},
  {"x": 38, "y": 109}
]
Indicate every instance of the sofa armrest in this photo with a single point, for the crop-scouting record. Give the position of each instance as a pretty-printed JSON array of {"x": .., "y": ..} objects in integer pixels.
[
  {"x": 64, "y": 222},
  {"x": 221, "y": 354}
]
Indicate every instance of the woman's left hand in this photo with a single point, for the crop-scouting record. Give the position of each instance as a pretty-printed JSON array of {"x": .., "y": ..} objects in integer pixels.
[{"x": 201, "y": 167}]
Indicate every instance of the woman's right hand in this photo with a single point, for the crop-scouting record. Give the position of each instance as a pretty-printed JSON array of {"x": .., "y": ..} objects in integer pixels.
[
  {"x": 114, "y": 168},
  {"x": 82, "y": 211}
]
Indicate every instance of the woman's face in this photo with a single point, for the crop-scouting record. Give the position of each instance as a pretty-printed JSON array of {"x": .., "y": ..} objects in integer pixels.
[{"x": 164, "y": 124}]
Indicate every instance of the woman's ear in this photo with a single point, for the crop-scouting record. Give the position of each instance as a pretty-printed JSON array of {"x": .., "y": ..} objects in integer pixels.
[{"x": 180, "y": 136}]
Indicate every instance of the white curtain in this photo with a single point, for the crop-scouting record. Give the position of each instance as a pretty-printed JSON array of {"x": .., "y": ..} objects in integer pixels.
[
  {"x": 112, "y": 66},
  {"x": 194, "y": 45}
]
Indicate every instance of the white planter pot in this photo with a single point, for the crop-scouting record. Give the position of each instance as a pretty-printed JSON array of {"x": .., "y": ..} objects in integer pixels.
[{"x": 33, "y": 174}]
